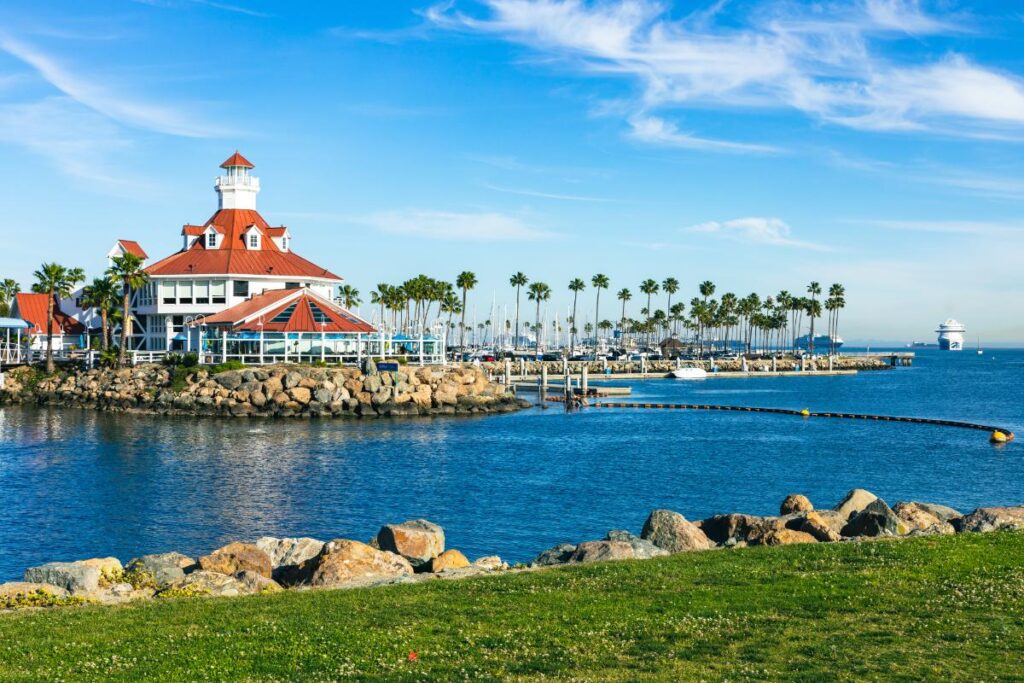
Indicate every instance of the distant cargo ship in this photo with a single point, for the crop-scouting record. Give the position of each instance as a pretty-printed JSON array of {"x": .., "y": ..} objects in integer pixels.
[
  {"x": 822, "y": 342},
  {"x": 922, "y": 345},
  {"x": 951, "y": 335}
]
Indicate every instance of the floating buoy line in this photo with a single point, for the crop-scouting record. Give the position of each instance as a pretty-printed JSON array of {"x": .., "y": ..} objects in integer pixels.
[{"x": 997, "y": 435}]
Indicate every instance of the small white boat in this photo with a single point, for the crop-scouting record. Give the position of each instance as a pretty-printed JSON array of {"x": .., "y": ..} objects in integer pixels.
[{"x": 689, "y": 373}]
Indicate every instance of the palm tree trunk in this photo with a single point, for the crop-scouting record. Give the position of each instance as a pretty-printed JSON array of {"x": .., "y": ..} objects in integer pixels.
[
  {"x": 49, "y": 335},
  {"x": 597, "y": 315},
  {"x": 515, "y": 339},
  {"x": 103, "y": 329},
  {"x": 125, "y": 322},
  {"x": 572, "y": 327}
]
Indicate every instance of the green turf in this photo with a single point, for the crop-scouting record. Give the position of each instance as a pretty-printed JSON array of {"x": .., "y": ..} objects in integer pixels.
[{"x": 939, "y": 608}]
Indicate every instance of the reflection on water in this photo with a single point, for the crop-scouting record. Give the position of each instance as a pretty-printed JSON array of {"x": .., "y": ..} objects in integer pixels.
[{"x": 75, "y": 484}]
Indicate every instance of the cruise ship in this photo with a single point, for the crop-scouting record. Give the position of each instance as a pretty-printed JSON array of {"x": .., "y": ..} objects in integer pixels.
[
  {"x": 822, "y": 342},
  {"x": 951, "y": 335}
]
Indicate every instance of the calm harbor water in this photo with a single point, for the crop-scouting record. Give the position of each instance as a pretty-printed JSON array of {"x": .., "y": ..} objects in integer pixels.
[{"x": 76, "y": 484}]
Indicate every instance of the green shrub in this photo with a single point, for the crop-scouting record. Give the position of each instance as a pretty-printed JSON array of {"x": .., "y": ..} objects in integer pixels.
[
  {"x": 225, "y": 366},
  {"x": 190, "y": 359}
]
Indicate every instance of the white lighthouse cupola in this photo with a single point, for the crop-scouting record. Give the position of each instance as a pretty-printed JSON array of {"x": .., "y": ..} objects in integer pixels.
[{"x": 237, "y": 189}]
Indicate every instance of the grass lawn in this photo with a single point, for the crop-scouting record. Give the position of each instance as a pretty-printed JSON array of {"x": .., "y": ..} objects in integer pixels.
[{"x": 939, "y": 608}]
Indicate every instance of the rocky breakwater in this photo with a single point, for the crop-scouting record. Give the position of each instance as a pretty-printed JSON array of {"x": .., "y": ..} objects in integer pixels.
[
  {"x": 408, "y": 552},
  {"x": 656, "y": 367},
  {"x": 858, "y": 516},
  {"x": 270, "y": 391}
]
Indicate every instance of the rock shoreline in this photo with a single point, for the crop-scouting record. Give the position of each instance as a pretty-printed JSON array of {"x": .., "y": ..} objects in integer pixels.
[
  {"x": 594, "y": 368},
  {"x": 414, "y": 551},
  {"x": 268, "y": 391}
]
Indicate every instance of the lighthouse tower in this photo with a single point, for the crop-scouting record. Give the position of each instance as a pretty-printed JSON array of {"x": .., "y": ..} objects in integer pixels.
[{"x": 236, "y": 189}]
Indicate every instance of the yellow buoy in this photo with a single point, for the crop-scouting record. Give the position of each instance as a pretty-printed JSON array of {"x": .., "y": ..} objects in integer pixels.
[
  {"x": 998, "y": 437},
  {"x": 805, "y": 412}
]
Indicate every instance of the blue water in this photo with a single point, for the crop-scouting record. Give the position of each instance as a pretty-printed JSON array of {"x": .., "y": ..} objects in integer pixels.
[{"x": 76, "y": 484}]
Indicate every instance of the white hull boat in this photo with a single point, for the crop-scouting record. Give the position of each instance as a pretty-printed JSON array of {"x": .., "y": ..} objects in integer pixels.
[{"x": 689, "y": 373}]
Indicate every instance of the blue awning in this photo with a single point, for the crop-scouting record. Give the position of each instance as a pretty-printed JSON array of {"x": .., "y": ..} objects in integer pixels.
[{"x": 14, "y": 324}]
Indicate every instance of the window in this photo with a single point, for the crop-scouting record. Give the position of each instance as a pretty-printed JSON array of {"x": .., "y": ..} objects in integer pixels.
[
  {"x": 185, "y": 292},
  {"x": 241, "y": 288},
  {"x": 218, "y": 292},
  {"x": 291, "y": 285},
  {"x": 167, "y": 293},
  {"x": 318, "y": 315},
  {"x": 284, "y": 244},
  {"x": 202, "y": 292},
  {"x": 284, "y": 316},
  {"x": 211, "y": 240},
  {"x": 254, "y": 240}
]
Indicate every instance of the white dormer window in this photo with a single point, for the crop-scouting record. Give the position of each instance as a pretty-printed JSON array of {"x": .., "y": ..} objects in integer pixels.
[
  {"x": 211, "y": 239},
  {"x": 252, "y": 237},
  {"x": 284, "y": 243}
]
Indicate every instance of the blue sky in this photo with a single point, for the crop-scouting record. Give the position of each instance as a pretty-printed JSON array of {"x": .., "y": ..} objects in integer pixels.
[{"x": 760, "y": 145}]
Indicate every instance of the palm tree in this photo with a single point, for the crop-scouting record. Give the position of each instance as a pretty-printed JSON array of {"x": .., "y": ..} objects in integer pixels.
[
  {"x": 349, "y": 296},
  {"x": 600, "y": 282},
  {"x": 624, "y": 295},
  {"x": 814, "y": 310},
  {"x": 836, "y": 301},
  {"x": 379, "y": 297},
  {"x": 101, "y": 295},
  {"x": 538, "y": 292},
  {"x": 670, "y": 286},
  {"x": 8, "y": 290},
  {"x": 126, "y": 270},
  {"x": 649, "y": 287},
  {"x": 518, "y": 281},
  {"x": 576, "y": 285},
  {"x": 55, "y": 281},
  {"x": 465, "y": 281}
]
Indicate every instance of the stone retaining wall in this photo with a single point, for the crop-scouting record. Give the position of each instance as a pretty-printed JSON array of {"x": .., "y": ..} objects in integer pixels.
[{"x": 270, "y": 391}]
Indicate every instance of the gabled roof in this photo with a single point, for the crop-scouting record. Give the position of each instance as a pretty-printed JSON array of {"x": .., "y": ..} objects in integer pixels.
[
  {"x": 237, "y": 159},
  {"x": 232, "y": 257},
  {"x": 288, "y": 310},
  {"x": 32, "y": 308},
  {"x": 277, "y": 232},
  {"x": 133, "y": 247}
]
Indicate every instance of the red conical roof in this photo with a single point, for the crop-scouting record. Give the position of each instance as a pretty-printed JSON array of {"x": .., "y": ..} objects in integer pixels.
[{"x": 237, "y": 159}]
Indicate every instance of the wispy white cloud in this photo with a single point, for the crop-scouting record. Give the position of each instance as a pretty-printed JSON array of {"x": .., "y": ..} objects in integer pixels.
[
  {"x": 75, "y": 140},
  {"x": 450, "y": 225},
  {"x": 224, "y": 6},
  {"x": 827, "y": 60},
  {"x": 102, "y": 99},
  {"x": 653, "y": 129},
  {"x": 995, "y": 183},
  {"x": 548, "y": 195},
  {"x": 756, "y": 230}
]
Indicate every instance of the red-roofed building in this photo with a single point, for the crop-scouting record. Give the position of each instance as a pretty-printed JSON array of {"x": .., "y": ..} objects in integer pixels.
[
  {"x": 232, "y": 257},
  {"x": 32, "y": 307}
]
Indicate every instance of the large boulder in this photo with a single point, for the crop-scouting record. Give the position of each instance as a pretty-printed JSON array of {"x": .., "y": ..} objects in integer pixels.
[
  {"x": 559, "y": 554},
  {"x": 75, "y": 577},
  {"x": 13, "y": 589},
  {"x": 642, "y": 548},
  {"x": 729, "y": 529},
  {"x": 876, "y": 519},
  {"x": 237, "y": 557},
  {"x": 780, "y": 536},
  {"x": 345, "y": 563},
  {"x": 600, "y": 551},
  {"x": 449, "y": 559},
  {"x": 673, "y": 532},
  {"x": 795, "y": 502},
  {"x": 490, "y": 563},
  {"x": 214, "y": 584},
  {"x": 919, "y": 517},
  {"x": 165, "y": 568},
  {"x": 823, "y": 525},
  {"x": 944, "y": 513},
  {"x": 982, "y": 519},
  {"x": 289, "y": 551},
  {"x": 257, "y": 583},
  {"x": 417, "y": 540},
  {"x": 854, "y": 501}
]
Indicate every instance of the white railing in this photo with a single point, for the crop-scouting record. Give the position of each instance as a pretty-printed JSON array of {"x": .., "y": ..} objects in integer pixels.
[{"x": 11, "y": 353}]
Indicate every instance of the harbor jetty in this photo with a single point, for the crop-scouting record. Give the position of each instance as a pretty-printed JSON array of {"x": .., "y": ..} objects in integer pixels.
[
  {"x": 416, "y": 550},
  {"x": 301, "y": 391}
]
